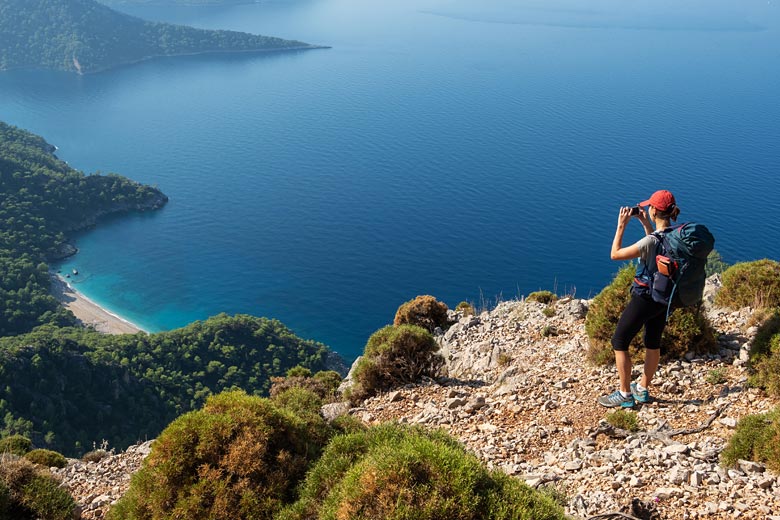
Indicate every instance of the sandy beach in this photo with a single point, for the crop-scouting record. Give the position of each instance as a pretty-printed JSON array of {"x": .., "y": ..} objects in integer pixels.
[{"x": 87, "y": 311}]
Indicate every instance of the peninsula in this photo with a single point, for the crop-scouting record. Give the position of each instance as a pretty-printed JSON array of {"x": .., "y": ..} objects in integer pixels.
[{"x": 85, "y": 36}]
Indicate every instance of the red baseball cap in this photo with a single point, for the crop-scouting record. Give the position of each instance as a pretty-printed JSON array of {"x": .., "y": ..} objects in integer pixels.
[{"x": 661, "y": 200}]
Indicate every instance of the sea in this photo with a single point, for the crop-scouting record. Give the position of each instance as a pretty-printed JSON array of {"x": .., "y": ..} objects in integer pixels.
[{"x": 474, "y": 151}]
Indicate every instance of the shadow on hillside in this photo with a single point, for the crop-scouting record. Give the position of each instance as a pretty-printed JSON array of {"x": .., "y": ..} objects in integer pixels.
[{"x": 454, "y": 381}]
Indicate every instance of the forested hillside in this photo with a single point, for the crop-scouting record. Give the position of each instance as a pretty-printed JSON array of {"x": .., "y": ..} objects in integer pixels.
[
  {"x": 86, "y": 36},
  {"x": 67, "y": 387}
]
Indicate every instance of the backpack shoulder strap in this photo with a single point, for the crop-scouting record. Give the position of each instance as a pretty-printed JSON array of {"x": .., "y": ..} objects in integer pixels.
[{"x": 663, "y": 236}]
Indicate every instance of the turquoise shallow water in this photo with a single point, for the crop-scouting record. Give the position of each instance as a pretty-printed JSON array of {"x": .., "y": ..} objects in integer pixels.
[{"x": 470, "y": 151}]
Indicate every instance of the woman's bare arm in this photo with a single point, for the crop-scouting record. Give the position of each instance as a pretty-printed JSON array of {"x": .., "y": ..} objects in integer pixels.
[{"x": 618, "y": 251}]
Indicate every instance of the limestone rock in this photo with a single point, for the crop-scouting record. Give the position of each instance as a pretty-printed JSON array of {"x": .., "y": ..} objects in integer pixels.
[{"x": 332, "y": 411}]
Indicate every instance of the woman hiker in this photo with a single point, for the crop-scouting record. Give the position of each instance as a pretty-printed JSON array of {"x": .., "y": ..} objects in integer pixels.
[{"x": 641, "y": 310}]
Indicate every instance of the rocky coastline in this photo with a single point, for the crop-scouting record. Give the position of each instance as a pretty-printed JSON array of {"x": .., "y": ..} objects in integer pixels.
[{"x": 66, "y": 249}]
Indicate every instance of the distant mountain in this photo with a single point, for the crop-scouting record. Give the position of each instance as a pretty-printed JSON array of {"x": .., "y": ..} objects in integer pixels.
[{"x": 85, "y": 36}]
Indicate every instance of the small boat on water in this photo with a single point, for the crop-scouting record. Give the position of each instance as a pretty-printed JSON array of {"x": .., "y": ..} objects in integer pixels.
[{"x": 75, "y": 271}]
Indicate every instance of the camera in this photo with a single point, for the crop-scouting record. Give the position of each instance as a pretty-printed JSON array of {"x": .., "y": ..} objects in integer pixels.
[{"x": 634, "y": 211}]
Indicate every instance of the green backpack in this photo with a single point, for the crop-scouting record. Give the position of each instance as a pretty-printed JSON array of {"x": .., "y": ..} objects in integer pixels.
[
  {"x": 689, "y": 245},
  {"x": 684, "y": 249}
]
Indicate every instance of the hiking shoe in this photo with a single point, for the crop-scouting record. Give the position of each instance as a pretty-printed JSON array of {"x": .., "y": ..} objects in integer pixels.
[
  {"x": 616, "y": 399},
  {"x": 640, "y": 397}
]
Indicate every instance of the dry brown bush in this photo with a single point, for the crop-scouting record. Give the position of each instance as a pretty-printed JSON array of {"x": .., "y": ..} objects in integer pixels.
[{"x": 424, "y": 311}]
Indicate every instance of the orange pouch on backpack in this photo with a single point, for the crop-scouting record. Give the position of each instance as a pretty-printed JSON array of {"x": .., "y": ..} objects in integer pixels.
[{"x": 666, "y": 266}]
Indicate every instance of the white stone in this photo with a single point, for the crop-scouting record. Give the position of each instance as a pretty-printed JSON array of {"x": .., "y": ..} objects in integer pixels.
[
  {"x": 749, "y": 466},
  {"x": 735, "y": 473},
  {"x": 333, "y": 410},
  {"x": 455, "y": 403},
  {"x": 666, "y": 493},
  {"x": 488, "y": 428},
  {"x": 675, "y": 449},
  {"x": 679, "y": 475}
]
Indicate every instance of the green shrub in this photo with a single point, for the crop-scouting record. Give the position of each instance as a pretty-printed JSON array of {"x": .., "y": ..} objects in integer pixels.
[
  {"x": 238, "y": 457},
  {"x": 623, "y": 419},
  {"x": 46, "y": 458},
  {"x": 466, "y": 308},
  {"x": 686, "y": 330},
  {"x": 716, "y": 376},
  {"x": 394, "y": 356},
  {"x": 545, "y": 297},
  {"x": 95, "y": 455},
  {"x": 765, "y": 354},
  {"x": 549, "y": 311},
  {"x": 715, "y": 263},
  {"x": 423, "y": 311},
  {"x": 768, "y": 329},
  {"x": 323, "y": 383},
  {"x": 767, "y": 371},
  {"x": 331, "y": 378},
  {"x": 756, "y": 438},
  {"x": 32, "y": 492},
  {"x": 299, "y": 401},
  {"x": 299, "y": 371},
  {"x": 557, "y": 491},
  {"x": 347, "y": 424},
  {"x": 5, "y": 501},
  {"x": 15, "y": 444},
  {"x": 603, "y": 315},
  {"x": 392, "y": 472},
  {"x": 750, "y": 284}
]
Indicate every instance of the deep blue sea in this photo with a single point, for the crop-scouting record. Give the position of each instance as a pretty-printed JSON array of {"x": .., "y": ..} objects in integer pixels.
[{"x": 469, "y": 150}]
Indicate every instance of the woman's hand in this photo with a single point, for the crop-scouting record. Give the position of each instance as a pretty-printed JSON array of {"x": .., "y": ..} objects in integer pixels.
[
  {"x": 623, "y": 217},
  {"x": 618, "y": 251},
  {"x": 644, "y": 218}
]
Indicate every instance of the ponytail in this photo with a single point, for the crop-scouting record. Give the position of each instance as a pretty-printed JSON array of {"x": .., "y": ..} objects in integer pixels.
[{"x": 670, "y": 213}]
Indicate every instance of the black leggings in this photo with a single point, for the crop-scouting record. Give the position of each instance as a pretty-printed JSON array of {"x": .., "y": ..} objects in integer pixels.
[{"x": 640, "y": 311}]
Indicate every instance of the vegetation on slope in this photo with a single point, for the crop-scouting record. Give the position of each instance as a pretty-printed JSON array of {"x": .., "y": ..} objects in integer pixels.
[
  {"x": 396, "y": 472},
  {"x": 424, "y": 311},
  {"x": 67, "y": 388},
  {"x": 751, "y": 284},
  {"x": 28, "y": 492},
  {"x": 238, "y": 457},
  {"x": 246, "y": 457},
  {"x": 85, "y": 36},
  {"x": 394, "y": 356},
  {"x": 756, "y": 438},
  {"x": 686, "y": 330}
]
